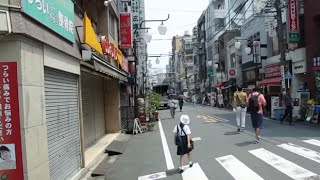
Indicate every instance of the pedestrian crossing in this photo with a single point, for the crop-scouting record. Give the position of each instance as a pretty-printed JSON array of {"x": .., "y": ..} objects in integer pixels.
[{"x": 241, "y": 171}]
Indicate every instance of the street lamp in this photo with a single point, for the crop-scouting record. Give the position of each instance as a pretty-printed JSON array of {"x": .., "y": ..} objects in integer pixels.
[
  {"x": 146, "y": 37},
  {"x": 157, "y": 61},
  {"x": 149, "y": 65},
  {"x": 216, "y": 66},
  {"x": 162, "y": 29}
]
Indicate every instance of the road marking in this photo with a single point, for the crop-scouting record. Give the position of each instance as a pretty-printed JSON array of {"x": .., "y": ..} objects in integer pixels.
[
  {"x": 313, "y": 142},
  {"x": 165, "y": 148},
  {"x": 287, "y": 167},
  {"x": 196, "y": 139},
  {"x": 193, "y": 173},
  {"x": 154, "y": 176},
  {"x": 307, "y": 153},
  {"x": 219, "y": 118},
  {"x": 237, "y": 169}
]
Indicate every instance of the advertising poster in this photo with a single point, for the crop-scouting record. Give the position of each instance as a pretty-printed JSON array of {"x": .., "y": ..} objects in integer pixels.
[{"x": 11, "y": 167}]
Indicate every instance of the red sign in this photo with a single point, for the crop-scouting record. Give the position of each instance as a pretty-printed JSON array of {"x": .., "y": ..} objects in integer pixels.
[
  {"x": 125, "y": 64},
  {"x": 272, "y": 70},
  {"x": 293, "y": 16},
  {"x": 108, "y": 48},
  {"x": 125, "y": 30},
  {"x": 11, "y": 166},
  {"x": 232, "y": 73}
]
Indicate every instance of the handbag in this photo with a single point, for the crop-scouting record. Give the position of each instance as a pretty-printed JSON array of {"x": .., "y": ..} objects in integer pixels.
[
  {"x": 242, "y": 104},
  {"x": 191, "y": 141}
]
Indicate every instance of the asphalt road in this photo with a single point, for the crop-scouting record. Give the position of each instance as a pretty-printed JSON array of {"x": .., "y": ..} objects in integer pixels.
[{"x": 222, "y": 153}]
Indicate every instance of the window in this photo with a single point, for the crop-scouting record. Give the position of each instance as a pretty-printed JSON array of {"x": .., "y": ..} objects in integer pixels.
[{"x": 112, "y": 26}]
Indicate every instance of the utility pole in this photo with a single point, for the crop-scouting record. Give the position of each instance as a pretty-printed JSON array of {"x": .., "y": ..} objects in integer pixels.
[{"x": 281, "y": 41}]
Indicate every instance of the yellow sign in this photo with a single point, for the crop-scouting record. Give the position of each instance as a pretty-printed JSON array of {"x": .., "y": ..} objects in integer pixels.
[
  {"x": 119, "y": 54},
  {"x": 90, "y": 37}
]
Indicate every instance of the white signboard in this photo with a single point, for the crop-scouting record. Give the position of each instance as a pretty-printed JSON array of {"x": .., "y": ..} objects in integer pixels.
[{"x": 299, "y": 67}]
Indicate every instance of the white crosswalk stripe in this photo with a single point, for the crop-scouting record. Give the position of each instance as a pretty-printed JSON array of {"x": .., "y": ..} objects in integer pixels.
[
  {"x": 307, "y": 153},
  {"x": 313, "y": 142},
  {"x": 237, "y": 169},
  {"x": 194, "y": 173},
  {"x": 287, "y": 167}
]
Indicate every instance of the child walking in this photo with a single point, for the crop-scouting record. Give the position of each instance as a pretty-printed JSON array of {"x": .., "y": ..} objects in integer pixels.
[{"x": 182, "y": 138}]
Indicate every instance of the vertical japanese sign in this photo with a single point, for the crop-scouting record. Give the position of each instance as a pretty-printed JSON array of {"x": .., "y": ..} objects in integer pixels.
[
  {"x": 11, "y": 167},
  {"x": 125, "y": 30},
  {"x": 293, "y": 21},
  {"x": 135, "y": 4}
]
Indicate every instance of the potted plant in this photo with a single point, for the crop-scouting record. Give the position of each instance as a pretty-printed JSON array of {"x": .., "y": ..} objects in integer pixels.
[{"x": 153, "y": 105}]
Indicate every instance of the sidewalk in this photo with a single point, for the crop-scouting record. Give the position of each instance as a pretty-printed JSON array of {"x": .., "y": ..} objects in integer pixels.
[{"x": 268, "y": 117}]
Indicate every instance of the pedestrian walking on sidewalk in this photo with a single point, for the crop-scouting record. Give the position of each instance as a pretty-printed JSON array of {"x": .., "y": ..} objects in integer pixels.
[
  {"x": 194, "y": 100},
  {"x": 182, "y": 138},
  {"x": 181, "y": 102},
  {"x": 173, "y": 105},
  {"x": 240, "y": 107},
  {"x": 256, "y": 102},
  {"x": 220, "y": 99},
  {"x": 287, "y": 102}
]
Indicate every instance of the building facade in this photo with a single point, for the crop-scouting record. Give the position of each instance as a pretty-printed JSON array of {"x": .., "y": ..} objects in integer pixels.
[{"x": 69, "y": 87}]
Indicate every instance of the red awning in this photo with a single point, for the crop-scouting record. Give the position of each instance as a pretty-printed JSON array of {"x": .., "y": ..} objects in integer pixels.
[
  {"x": 220, "y": 84},
  {"x": 269, "y": 81}
]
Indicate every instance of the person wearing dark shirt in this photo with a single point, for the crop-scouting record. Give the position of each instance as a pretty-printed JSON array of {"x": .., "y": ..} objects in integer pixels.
[{"x": 287, "y": 102}]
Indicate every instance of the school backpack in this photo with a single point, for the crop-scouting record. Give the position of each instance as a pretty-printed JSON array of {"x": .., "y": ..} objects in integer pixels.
[
  {"x": 254, "y": 103},
  {"x": 178, "y": 138}
]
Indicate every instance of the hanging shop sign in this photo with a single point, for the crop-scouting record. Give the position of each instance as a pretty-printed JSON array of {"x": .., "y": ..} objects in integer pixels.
[
  {"x": 125, "y": 30},
  {"x": 11, "y": 166},
  {"x": 232, "y": 73},
  {"x": 104, "y": 47},
  {"x": 299, "y": 67},
  {"x": 135, "y": 8},
  {"x": 57, "y": 15},
  {"x": 272, "y": 70},
  {"x": 293, "y": 25},
  {"x": 125, "y": 64}
]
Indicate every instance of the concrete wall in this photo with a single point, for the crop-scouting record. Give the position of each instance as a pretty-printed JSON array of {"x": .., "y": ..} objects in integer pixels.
[
  {"x": 29, "y": 56},
  {"x": 112, "y": 105}
]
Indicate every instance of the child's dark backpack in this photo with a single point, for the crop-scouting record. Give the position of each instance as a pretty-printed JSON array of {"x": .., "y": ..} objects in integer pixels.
[{"x": 254, "y": 103}]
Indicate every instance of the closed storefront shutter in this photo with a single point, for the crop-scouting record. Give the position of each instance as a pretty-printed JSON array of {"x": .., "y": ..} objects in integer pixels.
[
  {"x": 63, "y": 123},
  {"x": 93, "y": 108}
]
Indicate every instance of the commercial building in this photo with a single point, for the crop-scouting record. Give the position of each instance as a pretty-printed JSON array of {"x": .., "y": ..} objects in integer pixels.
[{"x": 68, "y": 81}]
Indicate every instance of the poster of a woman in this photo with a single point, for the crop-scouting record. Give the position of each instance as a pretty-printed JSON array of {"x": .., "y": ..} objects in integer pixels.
[{"x": 7, "y": 157}]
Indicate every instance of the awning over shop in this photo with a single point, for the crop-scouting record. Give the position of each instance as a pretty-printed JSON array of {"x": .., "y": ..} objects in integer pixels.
[
  {"x": 108, "y": 69},
  {"x": 221, "y": 84},
  {"x": 271, "y": 81},
  {"x": 230, "y": 83}
]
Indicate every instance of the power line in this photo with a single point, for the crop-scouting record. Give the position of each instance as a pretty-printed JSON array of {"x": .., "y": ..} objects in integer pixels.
[{"x": 232, "y": 19}]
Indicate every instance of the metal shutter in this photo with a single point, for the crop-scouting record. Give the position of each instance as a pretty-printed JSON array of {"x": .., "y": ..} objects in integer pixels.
[
  {"x": 93, "y": 108},
  {"x": 63, "y": 123}
]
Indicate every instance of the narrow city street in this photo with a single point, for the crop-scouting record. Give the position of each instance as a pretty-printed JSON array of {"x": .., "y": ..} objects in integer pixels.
[{"x": 221, "y": 153}]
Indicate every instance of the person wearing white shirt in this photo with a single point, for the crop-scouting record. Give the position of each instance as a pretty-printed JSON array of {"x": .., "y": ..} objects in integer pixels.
[{"x": 183, "y": 130}]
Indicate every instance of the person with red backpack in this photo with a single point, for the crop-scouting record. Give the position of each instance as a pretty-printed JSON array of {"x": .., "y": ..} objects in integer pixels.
[{"x": 256, "y": 101}]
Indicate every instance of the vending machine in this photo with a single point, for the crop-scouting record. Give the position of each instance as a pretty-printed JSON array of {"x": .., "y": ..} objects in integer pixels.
[{"x": 300, "y": 101}]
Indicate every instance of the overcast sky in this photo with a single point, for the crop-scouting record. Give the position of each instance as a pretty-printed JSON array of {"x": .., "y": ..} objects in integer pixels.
[{"x": 184, "y": 15}]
